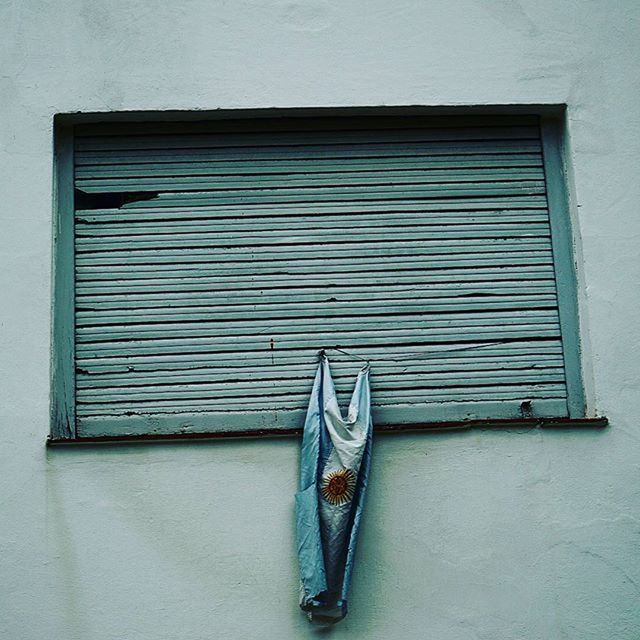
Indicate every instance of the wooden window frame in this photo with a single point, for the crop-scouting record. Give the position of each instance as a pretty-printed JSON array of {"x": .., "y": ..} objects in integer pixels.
[{"x": 63, "y": 418}]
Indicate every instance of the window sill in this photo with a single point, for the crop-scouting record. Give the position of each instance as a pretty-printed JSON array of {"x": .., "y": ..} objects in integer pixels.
[{"x": 433, "y": 427}]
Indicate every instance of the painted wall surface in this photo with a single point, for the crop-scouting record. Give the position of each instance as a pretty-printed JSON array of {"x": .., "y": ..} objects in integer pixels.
[{"x": 477, "y": 535}]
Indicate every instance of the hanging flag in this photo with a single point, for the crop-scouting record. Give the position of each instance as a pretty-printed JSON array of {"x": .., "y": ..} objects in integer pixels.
[{"x": 335, "y": 461}]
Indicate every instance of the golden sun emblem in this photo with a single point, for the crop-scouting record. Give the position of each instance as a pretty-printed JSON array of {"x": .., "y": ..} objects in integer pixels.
[{"x": 338, "y": 486}]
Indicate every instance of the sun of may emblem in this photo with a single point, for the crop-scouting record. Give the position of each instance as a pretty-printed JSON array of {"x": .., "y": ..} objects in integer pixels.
[{"x": 338, "y": 486}]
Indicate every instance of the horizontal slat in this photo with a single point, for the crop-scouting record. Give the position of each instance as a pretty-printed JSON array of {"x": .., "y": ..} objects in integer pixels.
[
  {"x": 448, "y": 249},
  {"x": 260, "y": 238},
  {"x": 311, "y": 173},
  {"x": 130, "y": 227},
  {"x": 343, "y": 194},
  {"x": 90, "y": 353},
  {"x": 523, "y": 392},
  {"x": 399, "y": 179},
  {"x": 296, "y": 139},
  {"x": 461, "y": 257},
  {"x": 432, "y": 375},
  {"x": 285, "y": 419},
  {"x": 392, "y": 353},
  {"x": 110, "y": 314},
  {"x": 483, "y": 263},
  {"x": 339, "y": 306},
  {"x": 253, "y": 391},
  {"x": 162, "y": 346},
  {"x": 308, "y": 281},
  {"x": 296, "y": 237},
  {"x": 389, "y": 397},
  {"x": 319, "y": 151},
  {"x": 312, "y": 325},
  {"x": 345, "y": 120},
  {"x": 328, "y": 294},
  {"x": 356, "y": 274},
  {"x": 461, "y": 366},
  {"x": 104, "y": 223},
  {"x": 192, "y": 167},
  {"x": 163, "y": 390},
  {"x": 146, "y": 210}
]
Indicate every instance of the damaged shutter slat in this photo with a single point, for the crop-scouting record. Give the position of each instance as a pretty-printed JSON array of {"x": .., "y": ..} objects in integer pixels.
[
  {"x": 355, "y": 339},
  {"x": 283, "y": 402},
  {"x": 200, "y": 375},
  {"x": 139, "y": 211},
  {"x": 488, "y": 359}
]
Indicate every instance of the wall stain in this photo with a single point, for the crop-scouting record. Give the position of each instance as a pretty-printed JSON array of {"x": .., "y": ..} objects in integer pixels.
[{"x": 305, "y": 16}]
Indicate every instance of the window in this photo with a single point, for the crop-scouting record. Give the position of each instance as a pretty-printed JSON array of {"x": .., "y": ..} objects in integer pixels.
[{"x": 202, "y": 266}]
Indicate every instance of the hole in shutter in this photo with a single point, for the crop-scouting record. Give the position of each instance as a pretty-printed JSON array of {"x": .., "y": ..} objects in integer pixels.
[{"x": 113, "y": 200}]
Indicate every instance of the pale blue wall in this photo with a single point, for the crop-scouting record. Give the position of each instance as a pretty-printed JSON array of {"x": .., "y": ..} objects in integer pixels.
[{"x": 479, "y": 535}]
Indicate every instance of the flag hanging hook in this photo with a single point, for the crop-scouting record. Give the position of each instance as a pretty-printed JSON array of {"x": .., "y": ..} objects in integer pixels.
[{"x": 322, "y": 353}]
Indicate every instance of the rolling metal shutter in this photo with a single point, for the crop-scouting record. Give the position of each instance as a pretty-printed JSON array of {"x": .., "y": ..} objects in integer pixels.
[{"x": 212, "y": 262}]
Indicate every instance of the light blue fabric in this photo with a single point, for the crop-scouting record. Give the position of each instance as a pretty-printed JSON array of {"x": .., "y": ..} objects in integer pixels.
[{"x": 327, "y": 530}]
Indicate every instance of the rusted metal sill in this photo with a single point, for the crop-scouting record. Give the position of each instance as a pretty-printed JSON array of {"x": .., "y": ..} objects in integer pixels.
[{"x": 432, "y": 427}]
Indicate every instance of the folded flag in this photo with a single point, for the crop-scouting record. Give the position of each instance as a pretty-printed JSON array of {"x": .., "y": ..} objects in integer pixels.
[{"x": 335, "y": 462}]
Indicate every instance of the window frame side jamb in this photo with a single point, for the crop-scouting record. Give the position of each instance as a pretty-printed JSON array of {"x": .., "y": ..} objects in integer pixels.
[
  {"x": 562, "y": 241},
  {"x": 63, "y": 410}
]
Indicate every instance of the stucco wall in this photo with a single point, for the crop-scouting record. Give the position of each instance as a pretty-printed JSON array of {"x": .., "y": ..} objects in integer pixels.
[{"x": 478, "y": 535}]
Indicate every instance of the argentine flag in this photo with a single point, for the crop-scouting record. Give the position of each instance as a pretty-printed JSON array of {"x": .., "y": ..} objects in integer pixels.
[{"x": 335, "y": 462}]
